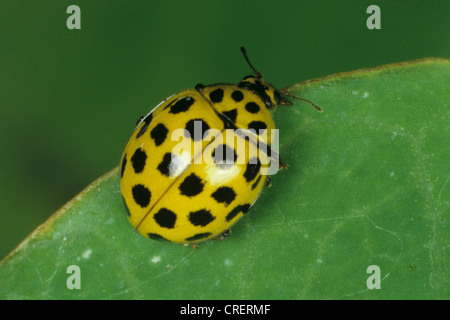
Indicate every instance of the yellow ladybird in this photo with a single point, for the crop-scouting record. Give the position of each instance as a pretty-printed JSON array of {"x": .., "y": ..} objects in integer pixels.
[{"x": 198, "y": 161}]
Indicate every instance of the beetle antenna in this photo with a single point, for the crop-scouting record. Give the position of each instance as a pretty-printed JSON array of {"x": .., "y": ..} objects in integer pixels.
[
  {"x": 257, "y": 73},
  {"x": 286, "y": 93}
]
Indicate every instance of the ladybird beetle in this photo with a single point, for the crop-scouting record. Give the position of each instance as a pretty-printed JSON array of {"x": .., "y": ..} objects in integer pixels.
[{"x": 196, "y": 189}]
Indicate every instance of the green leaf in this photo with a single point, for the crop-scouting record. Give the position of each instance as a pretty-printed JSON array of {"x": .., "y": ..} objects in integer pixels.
[{"x": 368, "y": 184}]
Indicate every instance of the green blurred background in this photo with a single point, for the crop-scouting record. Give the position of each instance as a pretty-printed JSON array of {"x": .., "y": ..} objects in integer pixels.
[{"x": 69, "y": 99}]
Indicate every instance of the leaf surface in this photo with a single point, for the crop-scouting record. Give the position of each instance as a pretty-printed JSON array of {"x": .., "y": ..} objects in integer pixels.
[{"x": 367, "y": 184}]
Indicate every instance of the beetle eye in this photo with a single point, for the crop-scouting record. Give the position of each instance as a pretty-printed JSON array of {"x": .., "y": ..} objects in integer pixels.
[{"x": 277, "y": 97}]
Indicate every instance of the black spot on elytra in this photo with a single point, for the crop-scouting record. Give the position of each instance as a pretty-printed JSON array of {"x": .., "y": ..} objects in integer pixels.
[
  {"x": 191, "y": 186},
  {"x": 190, "y": 129},
  {"x": 138, "y": 160},
  {"x": 231, "y": 115},
  {"x": 199, "y": 236},
  {"x": 201, "y": 217},
  {"x": 252, "y": 107},
  {"x": 165, "y": 218},
  {"x": 124, "y": 164},
  {"x": 159, "y": 134},
  {"x": 252, "y": 170},
  {"x": 155, "y": 236},
  {"x": 227, "y": 122},
  {"x": 144, "y": 127},
  {"x": 240, "y": 208},
  {"x": 216, "y": 95},
  {"x": 256, "y": 182},
  {"x": 224, "y": 156},
  {"x": 237, "y": 95},
  {"x": 258, "y": 126},
  {"x": 141, "y": 195},
  {"x": 224, "y": 195},
  {"x": 182, "y": 105},
  {"x": 164, "y": 166}
]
